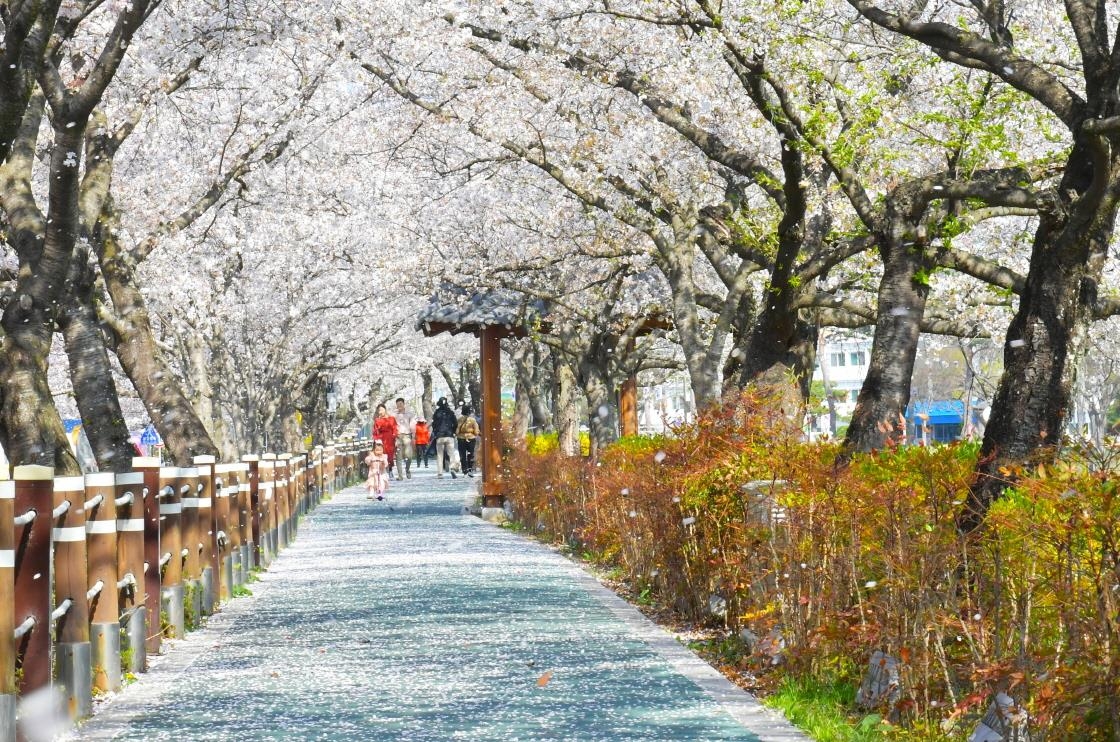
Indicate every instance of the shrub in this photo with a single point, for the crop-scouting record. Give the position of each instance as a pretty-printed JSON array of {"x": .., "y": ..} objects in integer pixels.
[{"x": 734, "y": 515}]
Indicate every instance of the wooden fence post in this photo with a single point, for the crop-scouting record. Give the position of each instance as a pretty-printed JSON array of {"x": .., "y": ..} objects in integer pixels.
[
  {"x": 208, "y": 533},
  {"x": 317, "y": 473},
  {"x": 233, "y": 527},
  {"x": 284, "y": 492},
  {"x": 171, "y": 554},
  {"x": 276, "y": 510},
  {"x": 33, "y": 501},
  {"x": 189, "y": 526},
  {"x": 332, "y": 475},
  {"x": 9, "y": 693},
  {"x": 258, "y": 523},
  {"x": 299, "y": 464},
  {"x": 223, "y": 475},
  {"x": 266, "y": 490},
  {"x": 105, "y": 607},
  {"x": 130, "y": 580},
  {"x": 73, "y": 667},
  {"x": 148, "y": 466},
  {"x": 244, "y": 523}
]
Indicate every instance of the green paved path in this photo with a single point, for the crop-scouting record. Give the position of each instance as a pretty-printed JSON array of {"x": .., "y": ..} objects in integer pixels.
[{"x": 413, "y": 621}]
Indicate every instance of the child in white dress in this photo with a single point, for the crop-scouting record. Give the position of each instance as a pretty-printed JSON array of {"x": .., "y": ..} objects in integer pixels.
[{"x": 378, "y": 464}]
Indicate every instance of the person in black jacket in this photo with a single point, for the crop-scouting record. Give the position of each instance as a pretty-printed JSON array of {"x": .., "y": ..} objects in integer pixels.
[{"x": 444, "y": 424}]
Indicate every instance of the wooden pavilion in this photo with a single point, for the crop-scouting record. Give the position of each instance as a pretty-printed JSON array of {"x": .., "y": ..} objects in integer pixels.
[{"x": 490, "y": 315}]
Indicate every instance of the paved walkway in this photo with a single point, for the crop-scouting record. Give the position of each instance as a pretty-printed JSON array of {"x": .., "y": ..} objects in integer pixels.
[{"x": 413, "y": 621}]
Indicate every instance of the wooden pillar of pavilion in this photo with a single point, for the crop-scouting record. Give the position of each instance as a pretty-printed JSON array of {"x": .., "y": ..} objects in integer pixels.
[
  {"x": 628, "y": 406},
  {"x": 491, "y": 453},
  {"x": 490, "y": 315}
]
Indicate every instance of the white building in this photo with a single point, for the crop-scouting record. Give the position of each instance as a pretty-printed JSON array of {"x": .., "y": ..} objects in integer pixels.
[
  {"x": 667, "y": 404},
  {"x": 841, "y": 367}
]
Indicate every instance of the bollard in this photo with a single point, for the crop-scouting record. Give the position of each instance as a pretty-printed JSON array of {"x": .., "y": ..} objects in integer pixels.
[
  {"x": 152, "y": 595},
  {"x": 224, "y": 570},
  {"x": 208, "y": 557},
  {"x": 258, "y": 523},
  {"x": 73, "y": 664},
  {"x": 33, "y": 505},
  {"x": 172, "y": 605},
  {"x": 8, "y": 690},
  {"x": 188, "y": 485},
  {"x": 130, "y": 581},
  {"x": 244, "y": 522},
  {"x": 101, "y": 592}
]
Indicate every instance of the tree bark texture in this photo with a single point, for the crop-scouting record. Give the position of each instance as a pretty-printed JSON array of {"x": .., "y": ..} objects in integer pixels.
[
  {"x": 144, "y": 362},
  {"x": 566, "y": 408},
  {"x": 522, "y": 361},
  {"x": 879, "y": 416},
  {"x": 91, "y": 375},
  {"x": 1033, "y": 397},
  {"x": 602, "y": 405},
  {"x": 427, "y": 408},
  {"x": 702, "y": 360},
  {"x": 31, "y": 424}
]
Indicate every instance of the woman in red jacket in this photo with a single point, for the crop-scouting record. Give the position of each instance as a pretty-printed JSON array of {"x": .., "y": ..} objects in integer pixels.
[{"x": 385, "y": 430}]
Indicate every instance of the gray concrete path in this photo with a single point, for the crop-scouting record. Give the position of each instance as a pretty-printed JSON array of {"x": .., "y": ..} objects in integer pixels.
[{"x": 413, "y": 621}]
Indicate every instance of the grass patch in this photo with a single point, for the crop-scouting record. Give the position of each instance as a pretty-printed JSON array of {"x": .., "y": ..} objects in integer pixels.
[{"x": 822, "y": 710}]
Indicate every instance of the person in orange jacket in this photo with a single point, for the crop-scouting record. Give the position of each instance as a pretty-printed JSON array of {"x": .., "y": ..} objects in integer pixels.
[{"x": 423, "y": 441}]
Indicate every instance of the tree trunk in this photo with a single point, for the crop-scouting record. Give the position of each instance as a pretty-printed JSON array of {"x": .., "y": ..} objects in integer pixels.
[
  {"x": 741, "y": 334},
  {"x": 33, "y": 430},
  {"x": 522, "y": 357},
  {"x": 426, "y": 406},
  {"x": 566, "y": 408},
  {"x": 455, "y": 389},
  {"x": 701, "y": 358},
  {"x": 1030, "y": 407},
  {"x": 602, "y": 406},
  {"x": 91, "y": 375},
  {"x": 780, "y": 356},
  {"x": 539, "y": 407},
  {"x": 879, "y": 416},
  {"x": 522, "y": 412},
  {"x": 213, "y": 417},
  {"x": 471, "y": 376},
  {"x": 782, "y": 347},
  {"x": 143, "y": 360}
]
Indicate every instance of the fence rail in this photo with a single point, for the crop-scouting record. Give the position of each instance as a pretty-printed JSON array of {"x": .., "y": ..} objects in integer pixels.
[{"x": 115, "y": 569}]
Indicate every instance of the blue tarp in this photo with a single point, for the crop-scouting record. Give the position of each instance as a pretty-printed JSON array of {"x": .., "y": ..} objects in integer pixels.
[{"x": 941, "y": 412}]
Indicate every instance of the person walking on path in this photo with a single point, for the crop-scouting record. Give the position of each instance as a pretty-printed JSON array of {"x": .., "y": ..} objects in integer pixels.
[
  {"x": 406, "y": 430},
  {"x": 423, "y": 442},
  {"x": 466, "y": 432},
  {"x": 378, "y": 463},
  {"x": 443, "y": 429},
  {"x": 385, "y": 430}
]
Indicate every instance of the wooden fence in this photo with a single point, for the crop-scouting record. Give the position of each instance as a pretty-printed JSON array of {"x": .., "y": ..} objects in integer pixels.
[{"x": 96, "y": 571}]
